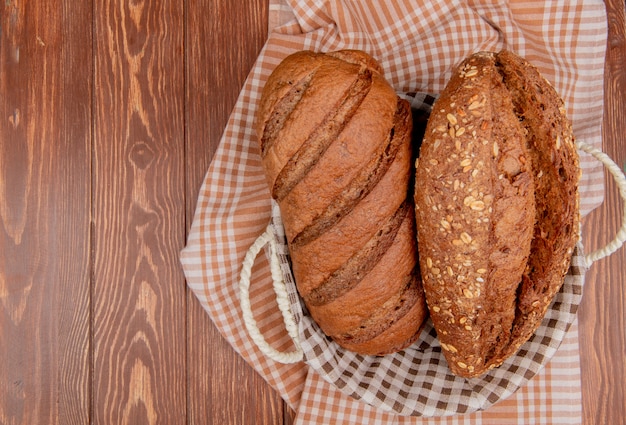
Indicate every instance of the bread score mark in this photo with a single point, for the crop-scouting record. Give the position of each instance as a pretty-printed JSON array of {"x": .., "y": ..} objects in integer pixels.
[
  {"x": 282, "y": 111},
  {"x": 363, "y": 183},
  {"x": 550, "y": 142},
  {"x": 318, "y": 142},
  {"x": 360, "y": 263},
  {"x": 387, "y": 314}
]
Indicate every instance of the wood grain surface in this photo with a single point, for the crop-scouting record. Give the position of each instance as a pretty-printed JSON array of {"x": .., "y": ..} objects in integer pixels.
[
  {"x": 138, "y": 201},
  {"x": 602, "y": 314},
  {"x": 110, "y": 113},
  {"x": 45, "y": 246},
  {"x": 222, "y": 387}
]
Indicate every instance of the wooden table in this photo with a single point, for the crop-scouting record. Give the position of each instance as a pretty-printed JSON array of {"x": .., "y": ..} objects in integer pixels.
[{"x": 110, "y": 112}]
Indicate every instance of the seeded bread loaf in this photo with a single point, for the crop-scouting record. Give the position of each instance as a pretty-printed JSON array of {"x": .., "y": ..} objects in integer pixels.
[
  {"x": 335, "y": 145},
  {"x": 496, "y": 208}
]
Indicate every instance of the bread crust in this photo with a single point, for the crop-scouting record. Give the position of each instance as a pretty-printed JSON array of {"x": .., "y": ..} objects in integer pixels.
[
  {"x": 335, "y": 144},
  {"x": 556, "y": 172},
  {"x": 497, "y": 176}
]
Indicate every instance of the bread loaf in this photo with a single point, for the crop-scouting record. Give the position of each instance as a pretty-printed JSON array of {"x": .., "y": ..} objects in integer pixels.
[
  {"x": 496, "y": 208},
  {"x": 335, "y": 145}
]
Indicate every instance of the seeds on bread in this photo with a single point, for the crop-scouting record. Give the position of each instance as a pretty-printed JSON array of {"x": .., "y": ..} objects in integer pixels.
[{"x": 496, "y": 208}]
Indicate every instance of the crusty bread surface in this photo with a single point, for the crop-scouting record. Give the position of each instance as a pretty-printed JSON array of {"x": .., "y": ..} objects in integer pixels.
[
  {"x": 335, "y": 145},
  {"x": 496, "y": 208}
]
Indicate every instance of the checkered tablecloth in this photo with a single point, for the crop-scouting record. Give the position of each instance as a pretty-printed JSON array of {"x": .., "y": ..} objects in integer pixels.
[{"x": 418, "y": 44}]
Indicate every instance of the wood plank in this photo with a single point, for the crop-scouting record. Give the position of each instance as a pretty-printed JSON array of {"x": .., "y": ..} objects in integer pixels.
[
  {"x": 45, "y": 110},
  {"x": 223, "y": 40},
  {"x": 139, "y": 299},
  {"x": 601, "y": 317}
]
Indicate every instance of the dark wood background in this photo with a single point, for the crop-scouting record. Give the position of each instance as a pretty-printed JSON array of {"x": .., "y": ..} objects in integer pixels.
[{"x": 110, "y": 112}]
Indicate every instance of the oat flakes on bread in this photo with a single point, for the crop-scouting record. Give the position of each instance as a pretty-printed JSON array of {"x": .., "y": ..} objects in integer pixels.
[
  {"x": 335, "y": 145},
  {"x": 496, "y": 208}
]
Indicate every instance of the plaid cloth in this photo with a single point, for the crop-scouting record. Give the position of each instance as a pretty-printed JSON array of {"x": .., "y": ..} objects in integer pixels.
[{"x": 418, "y": 44}]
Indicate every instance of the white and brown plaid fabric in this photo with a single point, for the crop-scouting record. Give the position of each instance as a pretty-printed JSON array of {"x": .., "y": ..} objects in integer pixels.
[{"x": 418, "y": 44}]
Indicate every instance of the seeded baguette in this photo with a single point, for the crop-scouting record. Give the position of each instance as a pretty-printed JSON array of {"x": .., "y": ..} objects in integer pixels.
[
  {"x": 335, "y": 145},
  {"x": 496, "y": 208}
]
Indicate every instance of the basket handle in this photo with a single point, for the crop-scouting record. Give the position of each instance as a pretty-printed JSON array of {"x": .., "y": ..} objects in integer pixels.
[
  {"x": 620, "y": 180},
  {"x": 282, "y": 299}
]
